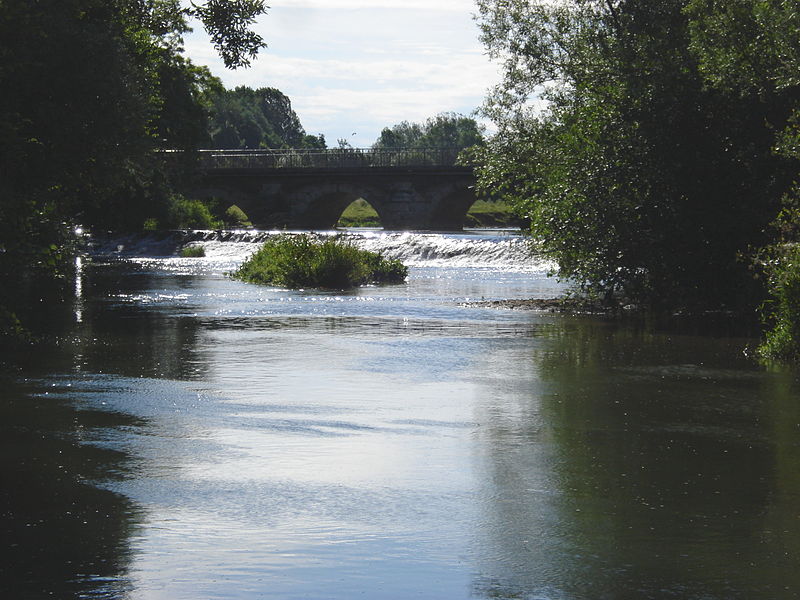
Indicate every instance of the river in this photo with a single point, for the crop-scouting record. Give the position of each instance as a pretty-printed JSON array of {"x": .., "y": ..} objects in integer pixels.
[{"x": 196, "y": 437}]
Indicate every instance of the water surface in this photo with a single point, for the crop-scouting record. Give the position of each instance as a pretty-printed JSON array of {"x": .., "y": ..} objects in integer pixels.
[{"x": 197, "y": 437}]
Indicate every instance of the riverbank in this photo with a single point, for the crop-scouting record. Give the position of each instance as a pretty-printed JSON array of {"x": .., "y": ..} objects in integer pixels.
[
  {"x": 746, "y": 327},
  {"x": 553, "y": 305}
]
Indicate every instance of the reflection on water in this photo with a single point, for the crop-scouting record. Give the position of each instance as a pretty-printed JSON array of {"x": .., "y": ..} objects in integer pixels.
[
  {"x": 649, "y": 465},
  {"x": 63, "y": 534},
  {"x": 195, "y": 437}
]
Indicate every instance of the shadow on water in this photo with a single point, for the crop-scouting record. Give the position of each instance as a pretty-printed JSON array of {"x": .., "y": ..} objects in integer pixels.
[
  {"x": 63, "y": 536},
  {"x": 65, "y": 533},
  {"x": 638, "y": 465}
]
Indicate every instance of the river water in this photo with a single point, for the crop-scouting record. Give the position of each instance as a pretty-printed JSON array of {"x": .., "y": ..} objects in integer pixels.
[{"x": 195, "y": 437}]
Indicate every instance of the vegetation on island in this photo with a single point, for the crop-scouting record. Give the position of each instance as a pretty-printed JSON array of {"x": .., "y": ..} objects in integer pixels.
[
  {"x": 652, "y": 145},
  {"x": 193, "y": 251},
  {"x": 303, "y": 261}
]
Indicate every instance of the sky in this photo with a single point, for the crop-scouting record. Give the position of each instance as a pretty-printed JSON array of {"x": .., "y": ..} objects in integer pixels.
[{"x": 353, "y": 67}]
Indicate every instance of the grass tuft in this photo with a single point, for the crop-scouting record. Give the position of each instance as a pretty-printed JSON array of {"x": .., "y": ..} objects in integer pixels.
[{"x": 193, "y": 252}]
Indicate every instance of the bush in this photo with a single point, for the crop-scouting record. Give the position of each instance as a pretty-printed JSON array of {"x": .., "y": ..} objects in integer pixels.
[
  {"x": 236, "y": 217},
  {"x": 297, "y": 261},
  {"x": 782, "y": 312},
  {"x": 193, "y": 252},
  {"x": 190, "y": 214}
]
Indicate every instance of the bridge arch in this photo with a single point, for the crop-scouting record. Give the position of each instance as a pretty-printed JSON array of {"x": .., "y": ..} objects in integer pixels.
[
  {"x": 451, "y": 203},
  {"x": 359, "y": 213}
]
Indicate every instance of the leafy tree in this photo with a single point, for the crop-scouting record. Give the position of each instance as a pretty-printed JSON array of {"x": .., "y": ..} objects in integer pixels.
[
  {"x": 402, "y": 135},
  {"x": 751, "y": 48},
  {"x": 227, "y": 22},
  {"x": 260, "y": 118},
  {"x": 90, "y": 89},
  {"x": 447, "y": 130},
  {"x": 747, "y": 45},
  {"x": 639, "y": 178}
]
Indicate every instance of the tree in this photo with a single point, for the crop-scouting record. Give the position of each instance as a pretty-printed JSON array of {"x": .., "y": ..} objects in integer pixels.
[
  {"x": 446, "y": 130},
  {"x": 226, "y": 21},
  {"x": 260, "y": 118},
  {"x": 751, "y": 48},
  {"x": 640, "y": 179},
  {"x": 90, "y": 89}
]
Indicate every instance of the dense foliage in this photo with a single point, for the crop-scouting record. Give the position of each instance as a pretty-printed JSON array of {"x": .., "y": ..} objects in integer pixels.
[
  {"x": 782, "y": 312},
  {"x": 447, "y": 130},
  {"x": 90, "y": 88},
  {"x": 649, "y": 173},
  {"x": 298, "y": 261},
  {"x": 192, "y": 251},
  {"x": 261, "y": 118},
  {"x": 753, "y": 47},
  {"x": 236, "y": 217}
]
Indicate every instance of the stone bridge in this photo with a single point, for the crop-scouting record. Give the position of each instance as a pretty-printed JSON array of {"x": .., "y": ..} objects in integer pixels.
[{"x": 410, "y": 189}]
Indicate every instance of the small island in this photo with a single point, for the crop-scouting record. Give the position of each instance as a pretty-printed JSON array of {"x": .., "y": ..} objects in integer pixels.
[{"x": 301, "y": 260}]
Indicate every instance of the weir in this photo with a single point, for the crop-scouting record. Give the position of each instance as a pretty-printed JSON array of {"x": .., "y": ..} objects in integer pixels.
[
  {"x": 496, "y": 250},
  {"x": 410, "y": 189}
]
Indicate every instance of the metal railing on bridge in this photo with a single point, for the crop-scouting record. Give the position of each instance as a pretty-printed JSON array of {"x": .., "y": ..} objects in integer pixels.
[{"x": 334, "y": 158}]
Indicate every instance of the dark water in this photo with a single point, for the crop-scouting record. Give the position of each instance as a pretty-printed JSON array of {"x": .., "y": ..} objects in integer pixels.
[{"x": 195, "y": 437}]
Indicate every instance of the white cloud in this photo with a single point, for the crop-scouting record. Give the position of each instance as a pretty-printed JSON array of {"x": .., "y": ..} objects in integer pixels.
[
  {"x": 351, "y": 66},
  {"x": 427, "y": 5}
]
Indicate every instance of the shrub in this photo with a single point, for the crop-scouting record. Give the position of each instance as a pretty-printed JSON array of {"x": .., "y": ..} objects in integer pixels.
[
  {"x": 192, "y": 214},
  {"x": 297, "y": 261},
  {"x": 236, "y": 217},
  {"x": 193, "y": 252},
  {"x": 782, "y": 312}
]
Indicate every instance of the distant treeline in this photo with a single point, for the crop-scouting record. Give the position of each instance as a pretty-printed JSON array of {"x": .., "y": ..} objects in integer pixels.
[{"x": 263, "y": 118}]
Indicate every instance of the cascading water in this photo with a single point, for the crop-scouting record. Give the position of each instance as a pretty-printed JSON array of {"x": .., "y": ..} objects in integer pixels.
[{"x": 226, "y": 249}]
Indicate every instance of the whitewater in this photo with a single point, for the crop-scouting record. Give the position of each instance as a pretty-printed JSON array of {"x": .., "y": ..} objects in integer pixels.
[{"x": 225, "y": 250}]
